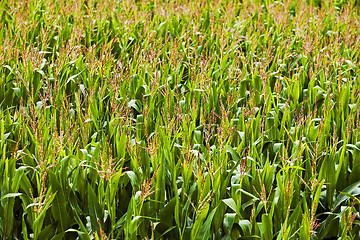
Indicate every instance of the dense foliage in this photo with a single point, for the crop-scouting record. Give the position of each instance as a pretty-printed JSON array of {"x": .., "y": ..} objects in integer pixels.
[{"x": 179, "y": 119}]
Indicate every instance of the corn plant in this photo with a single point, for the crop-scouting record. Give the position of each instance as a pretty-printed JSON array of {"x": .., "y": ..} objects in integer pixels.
[{"x": 179, "y": 119}]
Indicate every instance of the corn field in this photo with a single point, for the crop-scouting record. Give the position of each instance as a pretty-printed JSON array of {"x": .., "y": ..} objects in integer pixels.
[{"x": 178, "y": 119}]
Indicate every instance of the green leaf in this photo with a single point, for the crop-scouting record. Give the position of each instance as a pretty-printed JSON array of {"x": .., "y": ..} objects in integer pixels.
[
  {"x": 245, "y": 225},
  {"x": 205, "y": 229},
  {"x": 95, "y": 209},
  {"x": 267, "y": 226},
  {"x": 353, "y": 189},
  {"x": 10, "y": 195},
  {"x": 231, "y": 204},
  {"x": 166, "y": 215}
]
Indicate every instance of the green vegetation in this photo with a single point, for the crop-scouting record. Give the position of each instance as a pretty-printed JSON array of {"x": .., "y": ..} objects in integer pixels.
[{"x": 179, "y": 119}]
